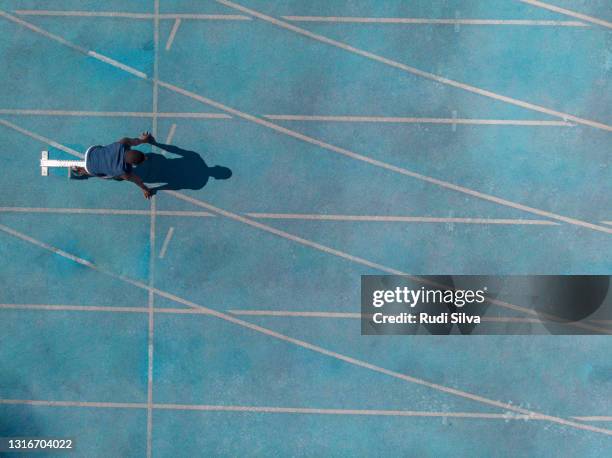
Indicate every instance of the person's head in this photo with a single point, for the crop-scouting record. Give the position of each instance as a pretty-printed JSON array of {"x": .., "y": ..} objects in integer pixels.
[
  {"x": 134, "y": 157},
  {"x": 219, "y": 172}
]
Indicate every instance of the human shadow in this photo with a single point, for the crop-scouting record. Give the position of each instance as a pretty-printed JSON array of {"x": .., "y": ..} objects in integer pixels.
[{"x": 186, "y": 171}]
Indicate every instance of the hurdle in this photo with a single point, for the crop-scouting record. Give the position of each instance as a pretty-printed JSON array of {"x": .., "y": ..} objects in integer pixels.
[{"x": 46, "y": 163}]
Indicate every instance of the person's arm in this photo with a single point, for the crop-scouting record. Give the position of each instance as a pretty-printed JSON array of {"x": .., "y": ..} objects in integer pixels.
[
  {"x": 145, "y": 137},
  {"x": 138, "y": 181}
]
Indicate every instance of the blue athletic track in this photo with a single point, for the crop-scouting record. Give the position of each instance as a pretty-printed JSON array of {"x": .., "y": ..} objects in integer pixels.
[{"x": 364, "y": 137}]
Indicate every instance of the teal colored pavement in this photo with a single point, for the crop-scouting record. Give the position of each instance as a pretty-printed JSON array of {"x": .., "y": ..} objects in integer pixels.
[{"x": 219, "y": 319}]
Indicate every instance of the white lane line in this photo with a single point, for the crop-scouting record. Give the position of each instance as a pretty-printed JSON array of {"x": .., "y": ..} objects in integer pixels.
[
  {"x": 414, "y": 120},
  {"x": 207, "y": 17},
  {"x": 594, "y": 418},
  {"x": 556, "y": 9},
  {"x": 117, "y": 64},
  {"x": 171, "y": 134},
  {"x": 372, "y": 412},
  {"x": 366, "y": 218},
  {"x": 175, "y": 27},
  {"x": 113, "y": 114},
  {"x": 407, "y": 20},
  {"x": 118, "y": 14},
  {"x": 275, "y": 313},
  {"x": 393, "y": 168},
  {"x": 415, "y": 71},
  {"x": 293, "y": 313},
  {"x": 406, "y": 219},
  {"x": 75, "y": 308},
  {"x": 102, "y": 211},
  {"x": 288, "y": 410},
  {"x": 162, "y": 253},
  {"x": 607, "y": 222},
  {"x": 324, "y": 118},
  {"x": 363, "y": 158},
  {"x": 152, "y": 231},
  {"x": 304, "y": 344},
  {"x": 274, "y": 410},
  {"x": 100, "y": 405}
]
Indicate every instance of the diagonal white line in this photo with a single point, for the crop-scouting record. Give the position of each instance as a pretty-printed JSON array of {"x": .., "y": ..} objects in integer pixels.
[
  {"x": 413, "y": 70},
  {"x": 164, "y": 247},
  {"x": 556, "y": 9},
  {"x": 307, "y": 345},
  {"x": 175, "y": 27},
  {"x": 171, "y": 134},
  {"x": 117, "y": 64},
  {"x": 410, "y": 20},
  {"x": 348, "y": 153}
]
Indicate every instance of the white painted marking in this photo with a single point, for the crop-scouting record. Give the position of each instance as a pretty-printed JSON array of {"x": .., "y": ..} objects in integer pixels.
[
  {"x": 454, "y": 113},
  {"x": 413, "y": 120},
  {"x": 287, "y": 410},
  {"x": 75, "y": 308},
  {"x": 152, "y": 226},
  {"x": 311, "y": 411},
  {"x": 304, "y": 344},
  {"x": 594, "y": 418},
  {"x": 118, "y": 114},
  {"x": 118, "y": 14},
  {"x": 117, "y": 64},
  {"x": 276, "y": 313},
  {"x": 406, "y": 219},
  {"x": 100, "y": 405},
  {"x": 292, "y": 313},
  {"x": 410, "y": 20},
  {"x": 567, "y": 12},
  {"x": 102, "y": 211},
  {"x": 162, "y": 253},
  {"x": 171, "y": 134},
  {"x": 207, "y": 17},
  {"x": 175, "y": 27},
  {"x": 415, "y": 71}
]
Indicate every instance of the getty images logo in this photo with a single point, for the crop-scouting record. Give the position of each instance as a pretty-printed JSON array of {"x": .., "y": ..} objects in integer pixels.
[{"x": 412, "y": 297}]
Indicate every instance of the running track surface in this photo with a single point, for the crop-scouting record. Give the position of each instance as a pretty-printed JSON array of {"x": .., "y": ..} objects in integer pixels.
[{"x": 137, "y": 337}]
